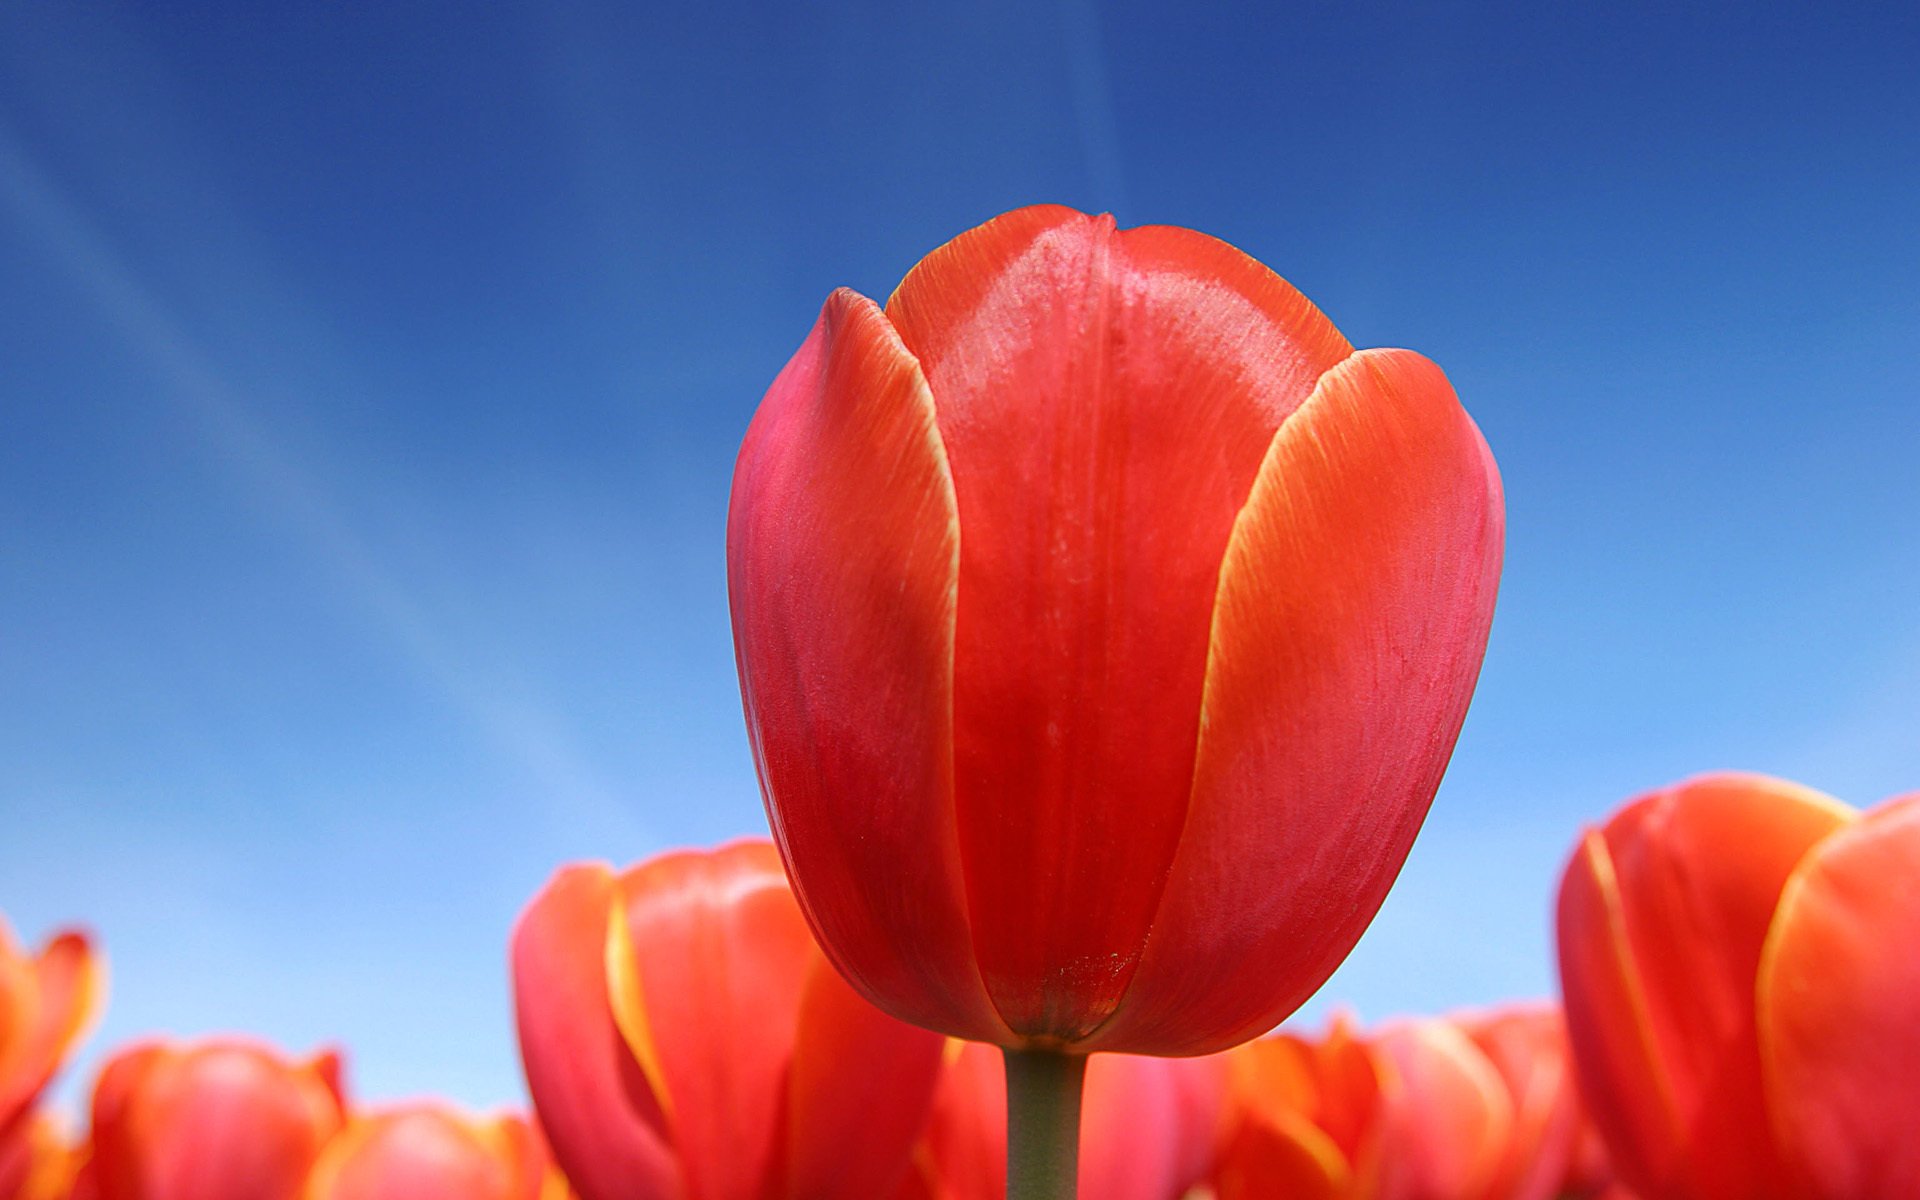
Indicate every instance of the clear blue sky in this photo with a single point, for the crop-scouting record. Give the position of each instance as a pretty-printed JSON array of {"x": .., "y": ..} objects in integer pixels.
[{"x": 370, "y": 383}]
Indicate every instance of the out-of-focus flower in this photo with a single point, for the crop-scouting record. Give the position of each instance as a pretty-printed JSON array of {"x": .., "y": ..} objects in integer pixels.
[
  {"x": 222, "y": 1119},
  {"x": 1453, "y": 1116},
  {"x": 1839, "y": 1000},
  {"x": 1308, "y": 1119},
  {"x": 1552, "y": 1148},
  {"x": 1150, "y": 1127},
  {"x": 40, "y": 1161},
  {"x": 1735, "y": 956},
  {"x": 430, "y": 1152},
  {"x": 1104, "y": 623},
  {"x": 47, "y": 1002},
  {"x": 684, "y": 1037}
]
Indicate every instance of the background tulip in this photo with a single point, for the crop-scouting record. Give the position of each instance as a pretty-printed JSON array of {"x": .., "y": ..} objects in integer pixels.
[
  {"x": 1151, "y": 1130},
  {"x": 1839, "y": 1001},
  {"x": 428, "y": 1152},
  {"x": 1104, "y": 623},
  {"x": 684, "y": 1037},
  {"x": 1663, "y": 916},
  {"x": 221, "y": 1119},
  {"x": 1308, "y": 1119},
  {"x": 47, "y": 1000}
]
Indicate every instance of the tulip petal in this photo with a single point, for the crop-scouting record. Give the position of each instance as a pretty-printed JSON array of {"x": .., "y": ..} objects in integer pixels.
[
  {"x": 842, "y": 547},
  {"x": 1838, "y": 981},
  {"x": 605, "y": 1127},
  {"x": 407, "y": 1155},
  {"x": 1452, "y": 1113},
  {"x": 1150, "y": 1125},
  {"x": 705, "y": 982},
  {"x": 1661, "y": 920},
  {"x": 859, "y": 1092},
  {"x": 1105, "y": 399},
  {"x": 1352, "y": 612},
  {"x": 1527, "y": 1045},
  {"x": 47, "y": 1001}
]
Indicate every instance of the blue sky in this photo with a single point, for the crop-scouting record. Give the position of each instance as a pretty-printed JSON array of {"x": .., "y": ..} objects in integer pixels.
[{"x": 370, "y": 385}]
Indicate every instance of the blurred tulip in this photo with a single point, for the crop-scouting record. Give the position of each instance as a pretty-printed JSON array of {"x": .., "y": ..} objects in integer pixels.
[
  {"x": 1104, "y": 623},
  {"x": 427, "y": 1152},
  {"x": 1151, "y": 1127},
  {"x": 1552, "y": 1149},
  {"x": 222, "y": 1119},
  {"x": 39, "y": 1161},
  {"x": 1738, "y": 993},
  {"x": 1308, "y": 1119},
  {"x": 47, "y": 1001},
  {"x": 684, "y": 1037},
  {"x": 1839, "y": 999},
  {"x": 1453, "y": 1116}
]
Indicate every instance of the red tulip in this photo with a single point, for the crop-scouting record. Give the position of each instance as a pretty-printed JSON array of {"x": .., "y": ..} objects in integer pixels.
[
  {"x": 215, "y": 1120},
  {"x": 1104, "y": 624},
  {"x": 1740, "y": 994},
  {"x": 426, "y": 1152},
  {"x": 1151, "y": 1128},
  {"x": 684, "y": 1037},
  {"x": 1839, "y": 1002},
  {"x": 1308, "y": 1119}
]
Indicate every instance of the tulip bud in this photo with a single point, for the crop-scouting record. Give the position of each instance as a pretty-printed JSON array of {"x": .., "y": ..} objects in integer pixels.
[{"x": 1104, "y": 623}]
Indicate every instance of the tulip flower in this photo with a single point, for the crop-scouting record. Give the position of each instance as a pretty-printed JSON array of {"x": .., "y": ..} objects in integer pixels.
[
  {"x": 1739, "y": 993},
  {"x": 429, "y": 1151},
  {"x": 1552, "y": 1148},
  {"x": 684, "y": 1037},
  {"x": 1839, "y": 1014},
  {"x": 47, "y": 1001},
  {"x": 1104, "y": 623},
  {"x": 1309, "y": 1119},
  {"x": 221, "y": 1119},
  {"x": 1151, "y": 1131}
]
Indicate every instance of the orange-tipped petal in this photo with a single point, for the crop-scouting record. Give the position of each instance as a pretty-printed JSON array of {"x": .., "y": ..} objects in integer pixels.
[
  {"x": 842, "y": 552},
  {"x": 1104, "y": 398},
  {"x": 858, "y": 1093},
  {"x": 1837, "y": 989},
  {"x": 604, "y": 1124},
  {"x": 1313, "y": 1116},
  {"x": 216, "y": 1120},
  {"x": 1661, "y": 920},
  {"x": 1453, "y": 1115},
  {"x": 1353, "y": 607},
  {"x": 706, "y": 973}
]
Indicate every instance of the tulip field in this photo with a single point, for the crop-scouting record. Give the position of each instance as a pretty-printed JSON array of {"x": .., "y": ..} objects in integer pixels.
[{"x": 1104, "y": 621}]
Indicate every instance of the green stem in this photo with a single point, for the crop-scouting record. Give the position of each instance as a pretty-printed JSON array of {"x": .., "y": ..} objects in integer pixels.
[{"x": 1043, "y": 1124}]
